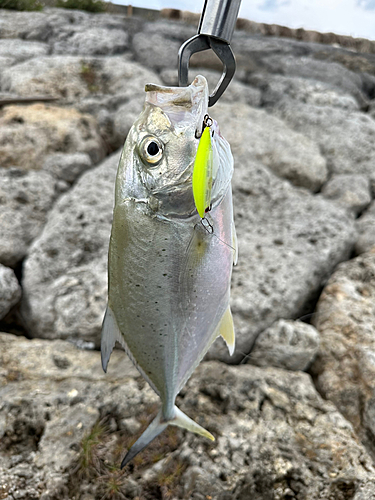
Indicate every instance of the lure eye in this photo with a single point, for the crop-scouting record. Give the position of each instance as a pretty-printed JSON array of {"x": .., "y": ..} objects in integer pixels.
[{"x": 151, "y": 150}]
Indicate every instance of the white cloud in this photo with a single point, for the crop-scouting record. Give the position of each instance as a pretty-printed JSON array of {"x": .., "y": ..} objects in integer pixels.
[{"x": 347, "y": 17}]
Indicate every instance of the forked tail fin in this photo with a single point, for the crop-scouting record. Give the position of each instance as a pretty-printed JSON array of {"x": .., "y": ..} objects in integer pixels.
[{"x": 158, "y": 425}]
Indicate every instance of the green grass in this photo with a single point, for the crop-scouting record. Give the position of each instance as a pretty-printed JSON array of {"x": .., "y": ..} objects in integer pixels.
[
  {"x": 21, "y": 4},
  {"x": 88, "y": 5},
  {"x": 101, "y": 451}
]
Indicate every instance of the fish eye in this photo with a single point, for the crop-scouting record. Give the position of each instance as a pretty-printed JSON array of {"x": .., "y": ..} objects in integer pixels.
[{"x": 151, "y": 150}]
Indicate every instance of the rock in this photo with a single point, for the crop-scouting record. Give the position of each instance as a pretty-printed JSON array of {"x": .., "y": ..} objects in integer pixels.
[
  {"x": 235, "y": 92},
  {"x": 157, "y": 46},
  {"x": 65, "y": 274},
  {"x": 366, "y": 230},
  {"x": 93, "y": 41},
  {"x": 328, "y": 72},
  {"x": 276, "y": 87},
  {"x": 289, "y": 240},
  {"x": 350, "y": 190},
  {"x": 25, "y": 200},
  {"x": 60, "y": 417},
  {"x": 20, "y": 50},
  {"x": 289, "y": 155},
  {"x": 291, "y": 345},
  {"x": 345, "y": 318},
  {"x": 29, "y": 133},
  {"x": 345, "y": 137},
  {"x": 10, "y": 290},
  {"x": 67, "y": 167},
  {"x": 31, "y": 25},
  {"x": 124, "y": 119},
  {"x": 74, "y": 77}
]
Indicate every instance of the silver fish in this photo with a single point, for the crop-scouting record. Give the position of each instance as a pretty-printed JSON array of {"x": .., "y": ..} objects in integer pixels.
[{"x": 169, "y": 270}]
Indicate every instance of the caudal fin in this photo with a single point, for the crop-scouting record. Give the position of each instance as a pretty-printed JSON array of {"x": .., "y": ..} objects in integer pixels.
[{"x": 158, "y": 425}]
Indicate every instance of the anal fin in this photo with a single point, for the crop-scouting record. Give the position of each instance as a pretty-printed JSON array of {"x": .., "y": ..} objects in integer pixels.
[
  {"x": 226, "y": 330},
  {"x": 110, "y": 333}
]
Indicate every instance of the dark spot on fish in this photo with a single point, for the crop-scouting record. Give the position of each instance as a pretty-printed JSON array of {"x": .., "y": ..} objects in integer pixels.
[{"x": 165, "y": 274}]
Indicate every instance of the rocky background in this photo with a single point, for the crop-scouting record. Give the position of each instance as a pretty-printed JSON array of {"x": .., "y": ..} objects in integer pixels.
[{"x": 293, "y": 412}]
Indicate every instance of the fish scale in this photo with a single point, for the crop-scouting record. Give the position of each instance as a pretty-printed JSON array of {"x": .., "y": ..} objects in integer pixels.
[{"x": 169, "y": 271}]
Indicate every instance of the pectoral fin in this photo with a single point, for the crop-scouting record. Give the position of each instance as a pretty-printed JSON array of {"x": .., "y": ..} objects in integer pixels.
[{"x": 226, "y": 330}]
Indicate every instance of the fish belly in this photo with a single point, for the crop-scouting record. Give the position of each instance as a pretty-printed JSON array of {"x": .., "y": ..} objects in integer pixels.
[{"x": 169, "y": 286}]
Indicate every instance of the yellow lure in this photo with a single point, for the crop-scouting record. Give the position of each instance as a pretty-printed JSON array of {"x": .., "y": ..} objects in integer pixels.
[{"x": 202, "y": 173}]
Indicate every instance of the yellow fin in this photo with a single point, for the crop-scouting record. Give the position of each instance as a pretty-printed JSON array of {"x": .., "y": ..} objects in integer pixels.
[
  {"x": 202, "y": 173},
  {"x": 226, "y": 330}
]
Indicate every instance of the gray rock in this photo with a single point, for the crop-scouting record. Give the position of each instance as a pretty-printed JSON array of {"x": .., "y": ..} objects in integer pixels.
[
  {"x": 276, "y": 87},
  {"x": 29, "y": 133},
  {"x": 366, "y": 230},
  {"x": 345, "y": 319},
  {"x": 157, "y": 46},
  {"x": 154, "y": 51},
  {"x": 60, "y": 420},
  {"x": 350, "y": 190},
  {"x": 65, "y": 274},
  {"x": 289, "y": 240},
  {"x": 67, "y": 167},
  {"x": 125, "y": 117},
  {"x": 75, "y": 77},
  {"x": 270, "y": 141},
  {"x": 93, "y": 41},
  {"x": 345, "y": 138},
  {"x": 31, "y": 25},
  {"x": 314, "y": 69},
  {"x": 20, "y": 50},
  {"x": 10, "y": 290},
  {"x": 25, "y": 199},
  {"x": 286, "y": 344}
]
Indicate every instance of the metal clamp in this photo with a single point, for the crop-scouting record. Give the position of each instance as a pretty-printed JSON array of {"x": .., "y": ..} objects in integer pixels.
[{"x": 215, "y": 32}]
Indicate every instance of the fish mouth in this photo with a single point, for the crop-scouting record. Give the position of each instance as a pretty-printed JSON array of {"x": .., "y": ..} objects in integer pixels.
[{"x": 181, "y": 104}]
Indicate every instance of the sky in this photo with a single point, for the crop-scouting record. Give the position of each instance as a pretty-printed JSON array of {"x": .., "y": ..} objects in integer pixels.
[{"x": 346, "y": 17}]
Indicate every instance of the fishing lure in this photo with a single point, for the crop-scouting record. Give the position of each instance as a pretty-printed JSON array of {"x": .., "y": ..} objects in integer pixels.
[{"x": 203, "y": 170}]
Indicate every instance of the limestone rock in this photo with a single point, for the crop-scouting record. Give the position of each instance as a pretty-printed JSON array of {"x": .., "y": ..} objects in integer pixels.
[
  {"x": 61, "y": 419},
  {"x": 25, "y": 200},
  {"x": 345, "y": 137},
  {"x": 76, "y": 77},
  {"x": 345, "y": 319},
  {"x": 10, "y": 290},
  {"x": 65, "y": 274},
  {"x": 289, "y": 240},
  {"x": 328, "y": 72},
  {"x": 287, "y": 344},
  {"x": 29, "y": 133},
  {"x": 350, "y": 190},
  {"x": 270, "y": 141},
  {"x": 366, "y": 230},
  {"x": 67, "y": 167},
  {"x": 125, "y": 117},
  {"x": 276, "y": 87},
  {"x": 93, "y": 41},
  {"x": 21, "y": 50},
  {"x": 31, "y": 25},
  {"x": 157, "y": 46}
]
